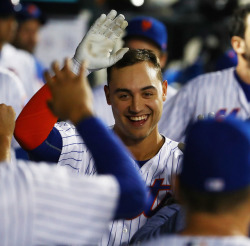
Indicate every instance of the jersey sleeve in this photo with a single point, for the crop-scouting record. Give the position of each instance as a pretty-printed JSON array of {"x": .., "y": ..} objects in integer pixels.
[
  {"x": 169, "y": 219},
  {"x": 35, "y": 122},
  {"x": 43, "y": 205},
  {"x": 177, "y": 114}
]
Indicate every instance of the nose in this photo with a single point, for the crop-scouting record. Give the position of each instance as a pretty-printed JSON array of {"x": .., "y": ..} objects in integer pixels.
[{"x": 136, "y": 105}]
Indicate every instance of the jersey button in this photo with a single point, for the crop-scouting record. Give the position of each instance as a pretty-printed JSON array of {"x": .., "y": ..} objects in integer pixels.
[{"x": 125, "y": 230}]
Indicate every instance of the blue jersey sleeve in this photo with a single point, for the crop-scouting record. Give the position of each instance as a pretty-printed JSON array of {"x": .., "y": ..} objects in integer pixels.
[
  {"x": 168, "y": 220},
  {"x": 50, "y": 150}
]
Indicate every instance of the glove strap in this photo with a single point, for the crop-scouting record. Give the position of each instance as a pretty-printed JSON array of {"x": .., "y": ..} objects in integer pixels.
[{"x": 76, "y": 67}]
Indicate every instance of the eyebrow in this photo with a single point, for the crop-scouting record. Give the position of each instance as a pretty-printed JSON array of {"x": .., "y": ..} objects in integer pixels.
[{"x": 130, "y": 92}]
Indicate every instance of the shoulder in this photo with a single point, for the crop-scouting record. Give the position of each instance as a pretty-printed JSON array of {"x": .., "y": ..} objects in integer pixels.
[
  {"x": 11, "y": 51},
  {"x": 213, "y": 77},
  {"x": 11, "y": 80},
  {"x": 171, "y": 145},
  {"x": 8, "y": 75}
]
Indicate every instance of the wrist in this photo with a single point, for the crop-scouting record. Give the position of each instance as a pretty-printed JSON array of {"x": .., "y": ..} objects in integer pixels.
[
  {"x": 75, "y": 67},
  {"x": 5, "y": 146},
  {"x": 79, "y": 114}
]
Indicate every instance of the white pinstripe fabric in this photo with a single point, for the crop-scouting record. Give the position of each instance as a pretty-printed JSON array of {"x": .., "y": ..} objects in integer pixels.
[
  {"x": 11, "y": 90},
  {"x": 76, "y": 158},
  {"x": 12, "y": 93},
  {"x": 206, "y": 93},
  {"x": 199, "y": 241},
  {"x": 23, "y": 65},
  {"x": 43, "y": 205}
]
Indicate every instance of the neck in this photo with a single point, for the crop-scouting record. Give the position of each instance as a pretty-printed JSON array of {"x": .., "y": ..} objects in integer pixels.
[
  {"x": 204, "y": 224},
  {"x": 243, "y": 70},
  {"x": 146, "y": 148}
]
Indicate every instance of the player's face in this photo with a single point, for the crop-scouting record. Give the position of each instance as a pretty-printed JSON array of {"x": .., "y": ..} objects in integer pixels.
[
  {"x": 136, "y": 95},
  {"x": 7, "y": 29},
  {"x": 28, "y": 35}
]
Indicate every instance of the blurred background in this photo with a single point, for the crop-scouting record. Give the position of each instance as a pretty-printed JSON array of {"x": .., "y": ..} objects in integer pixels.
[{"x": 197, "y": 29}]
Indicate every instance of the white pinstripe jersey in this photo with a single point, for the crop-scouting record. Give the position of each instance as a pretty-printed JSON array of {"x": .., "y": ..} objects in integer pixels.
[
  {"x": 11, "y": 90},
  {"x": 43, "y": 205},
  {"x": 23, "y": 65},
  {"x": 12, "y": 93},
  {"x": 104, "y": 111},
  {"x": 212, "y": 92},
  {"x": 157, "y": 173},
  {"x": 199, "y": 241}
]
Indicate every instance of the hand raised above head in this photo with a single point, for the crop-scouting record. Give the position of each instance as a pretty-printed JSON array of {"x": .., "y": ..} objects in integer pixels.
[
  {"x": 97, "y": 45},
  {"x": 71, "y": 93}
]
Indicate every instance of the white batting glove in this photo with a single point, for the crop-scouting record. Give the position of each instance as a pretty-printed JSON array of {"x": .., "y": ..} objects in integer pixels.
[{"x": 97, "y": 45}]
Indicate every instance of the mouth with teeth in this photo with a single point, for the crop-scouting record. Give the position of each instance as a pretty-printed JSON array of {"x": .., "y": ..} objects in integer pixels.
[{"x": 138, "y": 120}]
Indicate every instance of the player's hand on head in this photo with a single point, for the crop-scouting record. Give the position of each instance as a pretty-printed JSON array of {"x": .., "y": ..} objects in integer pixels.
[
  {"x": 71, "y": 93},
  {"x": 7, "y": 120},
  {"x": 97, "y": 45}
]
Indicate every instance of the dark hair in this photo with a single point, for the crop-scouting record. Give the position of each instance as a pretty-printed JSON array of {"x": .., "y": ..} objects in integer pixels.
[
  {"x": 134, "y": 56},
  {"x": 237, "y": 24},
  {"x": 212, "y": 202}
]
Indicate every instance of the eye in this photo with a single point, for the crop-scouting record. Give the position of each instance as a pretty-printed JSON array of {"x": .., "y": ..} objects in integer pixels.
[
  {"x": 123, "y": 96},
  {"x": 147, "y": 94}
]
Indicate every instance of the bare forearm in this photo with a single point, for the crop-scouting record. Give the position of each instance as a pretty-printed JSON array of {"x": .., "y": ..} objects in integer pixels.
[{"x": 5, "y": 147}]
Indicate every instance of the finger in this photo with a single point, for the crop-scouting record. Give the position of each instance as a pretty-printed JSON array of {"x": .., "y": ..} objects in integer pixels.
[
  {"x": 112, "y": 14},
  {"x": 55, "y": 67},
  {"x": 200, "y": 117},
  {"x": 118, "y": 55},
  {"x": 181, "y": 146},
  {"x": 82, "y": 70},
  {"x": 119, "y": 20},
  {"x": 116, "y": 33},
  {"x": 98, "y": 23},
  {"x": 48, "y": 79},
  {"x": 211, "y": 115},
  {"x": 51, "y": 108},
  {"x": 108, "y": 23},
  {"x": 124, "y": 24},
  {"x": 67, "y": 64}
]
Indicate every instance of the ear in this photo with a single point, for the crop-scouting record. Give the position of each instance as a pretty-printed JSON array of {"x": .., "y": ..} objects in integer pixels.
[
  {"x": 106, "y": 90},
  {"x": 164, "y": 90},
  {"x": 238, "y": 45}
]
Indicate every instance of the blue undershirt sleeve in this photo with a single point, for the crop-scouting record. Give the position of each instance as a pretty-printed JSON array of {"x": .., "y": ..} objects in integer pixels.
[
  {"x": 50, "y": 150},
  {"x": 112, "y": 157}
]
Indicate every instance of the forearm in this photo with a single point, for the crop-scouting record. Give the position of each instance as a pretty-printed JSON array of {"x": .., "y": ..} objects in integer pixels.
[
  {"x": 5, "y": 148},
  {"x": 35, "y": 121}
]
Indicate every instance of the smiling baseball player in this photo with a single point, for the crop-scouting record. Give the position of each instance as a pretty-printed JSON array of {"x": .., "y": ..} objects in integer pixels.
[{"x": 136, "y": 92}]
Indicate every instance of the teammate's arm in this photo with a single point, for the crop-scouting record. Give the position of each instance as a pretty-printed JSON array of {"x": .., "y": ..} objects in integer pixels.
[
  {"x": 7, "y": 124},
  {"x": 35, "y": 130}
]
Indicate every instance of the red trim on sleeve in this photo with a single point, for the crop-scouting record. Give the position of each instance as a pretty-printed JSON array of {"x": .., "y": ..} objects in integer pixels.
[{"x": 36, "y": 121}]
